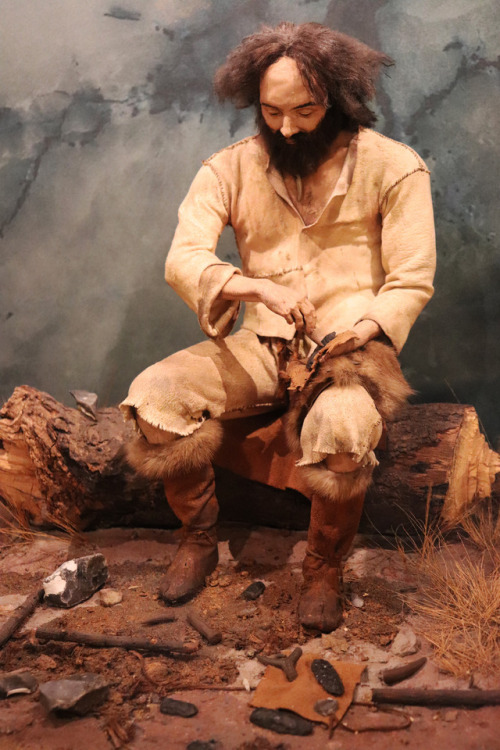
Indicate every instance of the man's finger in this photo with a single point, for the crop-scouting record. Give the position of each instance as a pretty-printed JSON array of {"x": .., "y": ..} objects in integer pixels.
[
  {"x": 298, "y": 318},
  {"x": 309, "y": 315}
]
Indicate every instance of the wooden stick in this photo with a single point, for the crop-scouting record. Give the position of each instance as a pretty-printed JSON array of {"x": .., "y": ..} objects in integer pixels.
[
  {"x": 159, "y": 620},
  {"x": 422, "y": 697},
  {"x": 398, "y": 674},
  {"x": 14, "y": 622},
  {"x": 211, "y": 635},
  {"x": 116, "y": 641}
]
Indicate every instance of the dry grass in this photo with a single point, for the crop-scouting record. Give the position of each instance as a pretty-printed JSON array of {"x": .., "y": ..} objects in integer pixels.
[
  {"x": 15, "y": 527},
  {"x": 459, "y": 594}
]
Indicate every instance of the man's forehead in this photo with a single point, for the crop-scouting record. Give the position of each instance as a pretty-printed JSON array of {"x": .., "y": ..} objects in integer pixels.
[{"x": 282, "y": 85}]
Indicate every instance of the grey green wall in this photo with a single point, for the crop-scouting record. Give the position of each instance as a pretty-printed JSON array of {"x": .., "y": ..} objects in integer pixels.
[{"x": 105, "y": 114}]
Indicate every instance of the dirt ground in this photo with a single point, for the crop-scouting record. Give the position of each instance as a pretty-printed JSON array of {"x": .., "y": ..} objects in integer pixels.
[{"x": 219, "y": 679}]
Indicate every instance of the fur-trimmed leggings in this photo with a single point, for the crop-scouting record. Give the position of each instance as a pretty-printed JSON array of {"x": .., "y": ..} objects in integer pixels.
[{"x": 237, "y": 377}]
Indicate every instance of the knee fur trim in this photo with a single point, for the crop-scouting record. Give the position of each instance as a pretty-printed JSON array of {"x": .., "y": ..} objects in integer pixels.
[
  {"x": 335, "y": 485},
  {"x": 375, "y": 367},
  {"x": 181, "y": 456}
]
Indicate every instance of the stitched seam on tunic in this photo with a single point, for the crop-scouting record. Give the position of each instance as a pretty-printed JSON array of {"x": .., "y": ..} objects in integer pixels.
[
  {"x": 230, "y": 147},
  {"x": 404, "y": 145},
  {"x": 221, "y": 188},
  {"x": 384, "y": 197},
  {"x": 281, "y": 272}
]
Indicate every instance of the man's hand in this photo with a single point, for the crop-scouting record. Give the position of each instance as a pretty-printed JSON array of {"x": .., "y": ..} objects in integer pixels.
[{"x": 294, "y": 307}]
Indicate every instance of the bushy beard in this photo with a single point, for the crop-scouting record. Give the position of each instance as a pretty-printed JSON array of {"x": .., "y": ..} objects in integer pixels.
[{"x": 308, "y": 151}]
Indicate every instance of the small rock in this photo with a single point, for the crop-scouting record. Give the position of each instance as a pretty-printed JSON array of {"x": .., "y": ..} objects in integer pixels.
[
  {"x": 281, "y": 721},
  {"x": 110, "y": 597},
  {"x": 249, "y": 611},
  {"x": 406, "y": 642},
  {"x": 77, "y": 694},
  {"x": 46, "y": 662},
  {"x": 173, "y": 707},
  {"x": 450, "y": 715},
  {"x": 157, "y": 670},
  {"x": 75, "y": 581},
  {"x": 252, "y": 592},
  {"x": 326, "y": 707},
  {"x": 327, "y": 676},
  {"x": 357, "y": 601},
  {"x": 17, "y": 683},
  {"x": 337, "y": 643},
  {"x": 225, "y": 581},
  {"x": 385, "y": 639}
]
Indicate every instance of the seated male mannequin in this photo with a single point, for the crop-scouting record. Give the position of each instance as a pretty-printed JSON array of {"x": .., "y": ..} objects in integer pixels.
[{"x": 334, "y": 226}]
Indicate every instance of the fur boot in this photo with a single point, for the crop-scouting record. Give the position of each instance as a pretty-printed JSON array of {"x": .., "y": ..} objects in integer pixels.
[
  {"x": 335, "y": 515},
  {"x": 192, "y": 498},
  {"x": 185, "y": 466}
]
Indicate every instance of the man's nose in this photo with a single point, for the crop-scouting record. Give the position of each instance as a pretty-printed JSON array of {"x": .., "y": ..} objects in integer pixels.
[{"x": 288, "y": 128}]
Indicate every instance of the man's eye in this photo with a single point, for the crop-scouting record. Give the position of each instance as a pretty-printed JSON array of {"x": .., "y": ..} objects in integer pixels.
[
  {"x": 273, "y": 114},
  {"x": 305, "y": 114}
]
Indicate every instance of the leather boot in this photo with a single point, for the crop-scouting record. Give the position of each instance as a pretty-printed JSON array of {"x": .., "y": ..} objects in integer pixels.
[
  {"x": 192, "y": 498},
  {"x": 332, "y": 528}
]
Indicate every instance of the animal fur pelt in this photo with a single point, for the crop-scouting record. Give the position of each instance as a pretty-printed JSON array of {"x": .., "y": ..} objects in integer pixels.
[
  {"x": 373, "y": 366},
  {"x": 179, "y": 456},
  {"x": 336, "y": 486}
]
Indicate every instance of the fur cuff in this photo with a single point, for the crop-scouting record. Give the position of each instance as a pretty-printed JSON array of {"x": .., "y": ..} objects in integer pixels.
[
  {"x": 374, "y": 366},
  {"x": 335, "y": 485},
  {"x": 180, "y": 456}
]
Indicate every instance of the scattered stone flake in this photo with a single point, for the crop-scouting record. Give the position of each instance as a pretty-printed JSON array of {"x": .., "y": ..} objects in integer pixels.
[
  {"x": 406, "y": 642},
  {"x": 327, "y": 676},
  {"x": 173, "y": 707},
  {"x": 17, "y": 683},
  {"x": 75, "y": 581},
  {"x": 253, "y": 591},
  {"x": 326, "y": 707},
  {"x": 77, "y": 694},
  {"x": 281, "y": 721},
  {"x": 336, "y": 643},
  {"x": 110, "y": 597},
  {"x": 357, "y": 601}
]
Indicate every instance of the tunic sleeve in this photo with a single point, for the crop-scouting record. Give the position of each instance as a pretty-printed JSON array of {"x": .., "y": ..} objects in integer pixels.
[
  {"x": 192, "y": 269},
  {"x": 408, "y": 256}
]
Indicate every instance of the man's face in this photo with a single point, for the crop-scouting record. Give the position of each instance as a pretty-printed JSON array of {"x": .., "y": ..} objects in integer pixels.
[
  {"x": 297, "y": 131},
  {"x": 287, "y": 106}
]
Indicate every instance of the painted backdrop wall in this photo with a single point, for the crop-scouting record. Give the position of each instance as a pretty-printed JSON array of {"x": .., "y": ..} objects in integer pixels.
[{"x": 106, "y": 113}]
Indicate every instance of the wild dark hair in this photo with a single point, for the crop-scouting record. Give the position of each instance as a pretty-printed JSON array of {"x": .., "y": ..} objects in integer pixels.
[{"x": 338, "y": 70}]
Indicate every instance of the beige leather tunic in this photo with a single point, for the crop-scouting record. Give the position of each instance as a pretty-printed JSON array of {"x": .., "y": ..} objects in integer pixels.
[{"x": 370, "y": 254}]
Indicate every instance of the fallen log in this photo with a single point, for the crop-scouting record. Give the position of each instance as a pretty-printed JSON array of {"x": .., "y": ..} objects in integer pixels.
[{"x": 60, "y": 467}]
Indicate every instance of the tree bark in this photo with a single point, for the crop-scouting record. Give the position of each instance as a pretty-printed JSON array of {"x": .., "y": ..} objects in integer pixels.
[{"x": 61, "y": 468}]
